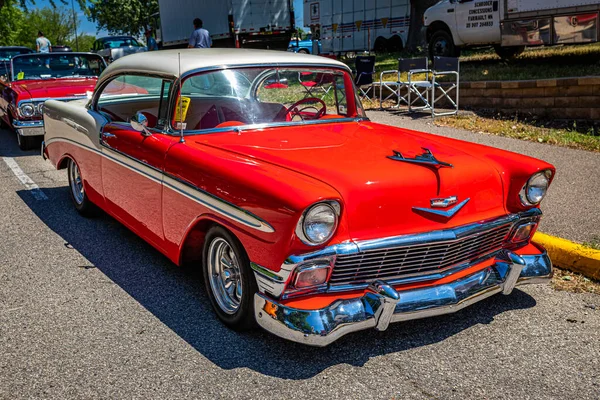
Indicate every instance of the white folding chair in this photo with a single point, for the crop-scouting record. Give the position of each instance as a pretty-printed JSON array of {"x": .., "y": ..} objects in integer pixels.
[{"x": 445, "y": 66}]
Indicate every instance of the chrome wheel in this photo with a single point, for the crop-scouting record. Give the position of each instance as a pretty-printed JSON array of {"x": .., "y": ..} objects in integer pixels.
[
  {"x": 224, "y": 275},
  {"x": 75, "y": 182}
]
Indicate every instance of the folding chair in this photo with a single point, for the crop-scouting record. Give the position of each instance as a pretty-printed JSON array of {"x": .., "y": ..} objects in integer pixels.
[
  {"x": 445, "y": 66},
  {"x": 322, "y": 82},
  {"x": 393, "y": 86},
  {"x": 365, "y": 68},
  {"x": 419, "y": 88}
]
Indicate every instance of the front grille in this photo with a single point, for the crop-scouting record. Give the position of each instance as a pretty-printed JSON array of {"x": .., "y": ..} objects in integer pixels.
[{"x": 415, "y": 260}]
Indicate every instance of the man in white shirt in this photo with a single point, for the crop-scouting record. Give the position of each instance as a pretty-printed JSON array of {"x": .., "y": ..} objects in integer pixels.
[
  {"x": 43, "y": 44},
  {"x": 200, "y": 38}
]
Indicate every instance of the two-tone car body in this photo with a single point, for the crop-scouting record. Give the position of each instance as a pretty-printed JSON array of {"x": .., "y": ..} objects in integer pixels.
[
  {"x": 305, "y": 217},
  {"x": 34, "y": 78}
]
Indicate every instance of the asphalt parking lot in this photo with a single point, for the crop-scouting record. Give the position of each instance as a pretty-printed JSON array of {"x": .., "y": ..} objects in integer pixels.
[{"x": 89, "y": 310}]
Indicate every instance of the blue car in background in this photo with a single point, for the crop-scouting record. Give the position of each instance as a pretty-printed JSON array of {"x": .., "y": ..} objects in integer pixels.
[{"x": 303, "y": 46}]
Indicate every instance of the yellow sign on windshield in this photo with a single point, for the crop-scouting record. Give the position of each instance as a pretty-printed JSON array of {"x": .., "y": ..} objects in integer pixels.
[
  {"x": 20, "y": 75},
  {"x": 185, "y": 103}
]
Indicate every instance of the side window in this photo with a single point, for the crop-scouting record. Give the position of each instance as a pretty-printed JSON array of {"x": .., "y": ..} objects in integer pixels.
[{"x": 126, "y": 95}]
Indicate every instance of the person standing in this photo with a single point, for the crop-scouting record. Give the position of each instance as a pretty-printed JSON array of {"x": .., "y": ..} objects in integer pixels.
[
  {"x": 200, "y": 38},
  {"x": 43, "y": 44},
  {"x": 150, "y": 41}
]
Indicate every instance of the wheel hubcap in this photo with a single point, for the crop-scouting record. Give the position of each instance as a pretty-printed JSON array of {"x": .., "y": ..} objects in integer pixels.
[
  {"x": 76, "y": 183},
  {"x": 225, "y": 275},
  {"x": 441, "y": 47}
]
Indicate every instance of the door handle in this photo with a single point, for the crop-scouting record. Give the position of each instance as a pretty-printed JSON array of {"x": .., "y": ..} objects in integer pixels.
[{"x": 106, "y": 135}]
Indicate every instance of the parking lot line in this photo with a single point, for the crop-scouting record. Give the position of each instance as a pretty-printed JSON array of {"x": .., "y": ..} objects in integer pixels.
[{"x": 35, "y": 190}]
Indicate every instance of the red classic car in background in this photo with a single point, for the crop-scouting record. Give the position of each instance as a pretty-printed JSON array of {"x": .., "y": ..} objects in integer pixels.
[
  {"x": 304, "y": 216},
  {"x": 34, "y": 78}
]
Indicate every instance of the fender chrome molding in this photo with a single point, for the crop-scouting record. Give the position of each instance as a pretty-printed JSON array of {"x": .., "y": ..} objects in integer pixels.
[{"x": 208, "y": 200}]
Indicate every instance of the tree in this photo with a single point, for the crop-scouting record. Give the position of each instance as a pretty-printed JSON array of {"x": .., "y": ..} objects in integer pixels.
[
  {"x": 122, "y": 16},
  {"x": 11, "y": 23},
  {"x": 55, "y": 23},
  {"x": 24, "y": 3},
  {"x": 85, "y": 42},
  {"x": 417, "y": 10}
]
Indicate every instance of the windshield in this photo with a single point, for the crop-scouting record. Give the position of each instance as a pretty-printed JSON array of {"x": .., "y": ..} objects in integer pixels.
[
  {"x": 115, "y": 43},
  {"x": 7, "y": 54},
  {"x": 56, "y": 66},
  {"x": 250, "y": 96}
]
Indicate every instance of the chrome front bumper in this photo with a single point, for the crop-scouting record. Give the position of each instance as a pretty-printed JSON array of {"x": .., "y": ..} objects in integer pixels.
[
  {"x": 29, "y": 128},
  {"x": 382, "y": 304}
]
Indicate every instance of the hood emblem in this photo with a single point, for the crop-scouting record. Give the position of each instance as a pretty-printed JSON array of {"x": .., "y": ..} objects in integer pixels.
[
  {"x": 443, "y": 202},
  {"x": 447, "y": 213},
  {"x": 427, "y": 159}
]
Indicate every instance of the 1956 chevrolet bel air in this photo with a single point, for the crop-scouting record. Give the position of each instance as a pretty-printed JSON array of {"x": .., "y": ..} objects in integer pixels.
[{"x": 262, "y": 168}]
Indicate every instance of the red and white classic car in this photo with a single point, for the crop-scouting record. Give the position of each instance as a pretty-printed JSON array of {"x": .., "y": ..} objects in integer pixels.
[
  {"x": 261, "y": 168},
  {"x": 34, "y": 78}
]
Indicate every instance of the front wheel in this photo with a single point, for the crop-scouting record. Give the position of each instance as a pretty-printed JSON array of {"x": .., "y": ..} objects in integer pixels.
[
  {"x": 509, "y": 53},
  {"x": 82, "y": 204},
  {"x": 441, "y": 44},
  {"x": 303, "y": 51},
  {"x": 229, "y": 280}
]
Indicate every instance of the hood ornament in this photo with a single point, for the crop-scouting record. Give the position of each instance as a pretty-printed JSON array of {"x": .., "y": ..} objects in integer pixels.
[
  {"x": 427, "y": 159},
  {"x": 447, "y": 213}
]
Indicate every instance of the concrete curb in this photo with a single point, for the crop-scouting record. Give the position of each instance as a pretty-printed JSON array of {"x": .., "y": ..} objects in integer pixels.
[{"x": 570, "y": 255}]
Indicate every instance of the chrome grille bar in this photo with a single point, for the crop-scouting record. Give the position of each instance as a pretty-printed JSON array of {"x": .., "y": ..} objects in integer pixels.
[{"x": 417, "y": 259}]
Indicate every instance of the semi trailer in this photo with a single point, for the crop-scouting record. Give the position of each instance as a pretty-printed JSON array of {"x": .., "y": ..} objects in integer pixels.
[
  {"x": 261, "y": 24},
  {"x": 359, "y": 25}
]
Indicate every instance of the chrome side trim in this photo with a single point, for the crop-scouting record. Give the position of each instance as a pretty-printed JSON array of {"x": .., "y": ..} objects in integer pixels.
[
  {"x": 27, "y": 124},
  {"x": 188, "y": 190},
  {"x": 382, "y": 304},
  {"x": 43, "y": 99}
]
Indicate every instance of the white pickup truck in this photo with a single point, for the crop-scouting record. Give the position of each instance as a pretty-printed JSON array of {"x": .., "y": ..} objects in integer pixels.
[{"x": 509, "y": 25}]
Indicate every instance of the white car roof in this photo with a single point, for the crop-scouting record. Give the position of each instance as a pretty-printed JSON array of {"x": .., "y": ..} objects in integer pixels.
[{"x": 165, "y": 62}]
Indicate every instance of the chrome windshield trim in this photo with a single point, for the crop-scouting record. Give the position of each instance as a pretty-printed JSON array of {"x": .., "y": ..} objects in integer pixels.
[
  {"x": 74, "y": 53},
  {"x": 44, "y": 99}
]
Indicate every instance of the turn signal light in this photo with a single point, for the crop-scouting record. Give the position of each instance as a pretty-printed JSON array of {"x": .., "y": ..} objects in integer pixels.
[
  {"x": 523, "y": 232},
  {"x": 312, "y": 275}
]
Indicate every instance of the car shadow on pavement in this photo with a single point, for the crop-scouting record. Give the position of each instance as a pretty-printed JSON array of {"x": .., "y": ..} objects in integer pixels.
[{"x": 176, "y": 297}]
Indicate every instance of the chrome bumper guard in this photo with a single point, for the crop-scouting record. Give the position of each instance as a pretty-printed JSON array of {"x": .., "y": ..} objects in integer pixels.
[
  {"x": 383, "y": 304},
  {"x": 29, "y": 128}
]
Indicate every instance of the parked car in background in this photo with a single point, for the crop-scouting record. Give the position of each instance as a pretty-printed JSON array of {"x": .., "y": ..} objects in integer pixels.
[
  {"x": 115, "y": 47},
  {"x": 35, "y": 78},
  {"x": 262, "y": 169},
  {"x": 8, "y": 52},
  {"x": 61, "y": 49},
  {"x": 304, "y": 46}
]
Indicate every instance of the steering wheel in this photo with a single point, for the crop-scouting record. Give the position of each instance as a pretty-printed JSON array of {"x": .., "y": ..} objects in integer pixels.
[{"x": 293, "y": 110}]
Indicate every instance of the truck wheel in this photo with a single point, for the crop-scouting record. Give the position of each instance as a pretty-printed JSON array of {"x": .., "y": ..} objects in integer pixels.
[
  {"x": 82, "y": 204},
  {"x": 395, "y": 44},
  {"x": 381, "y": 45},
  {"x": 303, "y": 51},
  {"x": 25, "y": 142},
  {"x": 229, "y": 280},
  {"x": 442, "y": 45},
  {"x": 509, "y": 53}
]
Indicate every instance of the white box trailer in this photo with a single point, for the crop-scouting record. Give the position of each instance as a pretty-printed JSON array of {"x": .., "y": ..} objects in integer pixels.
[
  {"x": 509, "y": 25},
  {"x": 231, "y": 23},
  {"x": 358, "y": 25}
]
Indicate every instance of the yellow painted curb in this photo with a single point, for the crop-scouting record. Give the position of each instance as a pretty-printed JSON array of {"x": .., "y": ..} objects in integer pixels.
[{"x": 570, "y": 255}]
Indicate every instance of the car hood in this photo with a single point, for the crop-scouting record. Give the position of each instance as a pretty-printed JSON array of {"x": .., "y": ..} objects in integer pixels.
[
  {"x": 54, "y": 88},
  {"x": 379, "y": 194}
]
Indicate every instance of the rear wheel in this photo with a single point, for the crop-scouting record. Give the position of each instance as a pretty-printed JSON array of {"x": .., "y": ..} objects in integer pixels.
[
  {"x": 82, "y": 204},
  {"x": 229, "y": 280},
  {"x": 441, "y": 44},
  {"x": 26, "y": 142},
  {"x": 303, "y": 51},
  {"x": 508, "y": 53},
  {"x": 381, "y": 45}
]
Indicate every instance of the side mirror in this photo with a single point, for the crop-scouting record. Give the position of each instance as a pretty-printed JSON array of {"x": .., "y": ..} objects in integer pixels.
[{"x": 139, "y": 122}]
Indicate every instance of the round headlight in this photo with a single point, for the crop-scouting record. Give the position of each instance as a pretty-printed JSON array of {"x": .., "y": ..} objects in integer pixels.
[
  {"x": 319, "y": 223},
  {"x": 536, "y": 187},
  {"x": 27, "y": 110}
]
